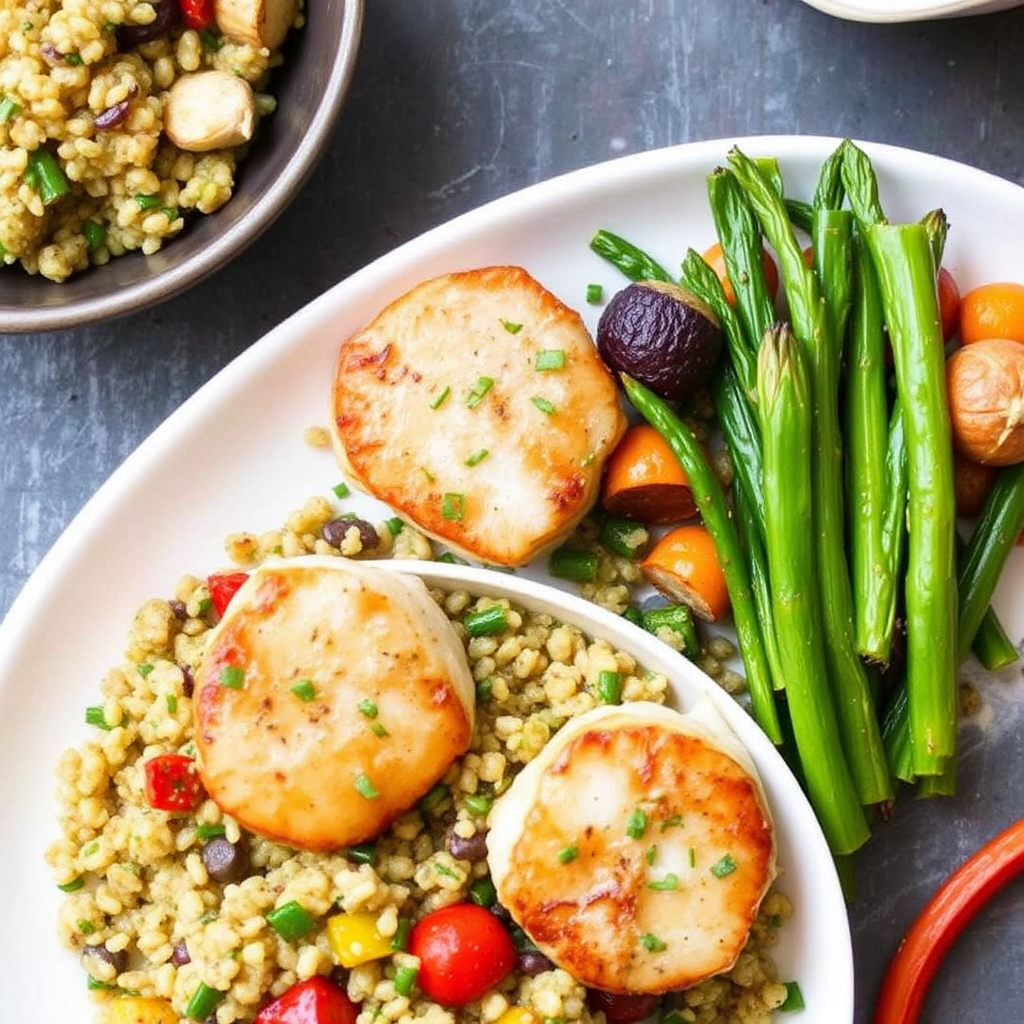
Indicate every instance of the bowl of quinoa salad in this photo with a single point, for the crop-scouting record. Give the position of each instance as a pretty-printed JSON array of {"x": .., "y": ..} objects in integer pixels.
[
  {"x": 144, "y": 142},
  {"x": 190, "y": 913}
]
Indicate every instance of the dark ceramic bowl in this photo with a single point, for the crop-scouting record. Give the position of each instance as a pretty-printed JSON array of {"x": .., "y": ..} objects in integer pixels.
[{"x": 310, "y": 88}]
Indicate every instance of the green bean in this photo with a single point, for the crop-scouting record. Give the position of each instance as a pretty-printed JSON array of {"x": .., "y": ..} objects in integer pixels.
[
  {"x": 631, "y": 260},
  {"x": 868, "y": 489},
  {"x": 715, "y": 512},
  {"x": 679, "y": 619},
  {"x": 995, "y": 533},
  {"x": 784, "y": 404}
]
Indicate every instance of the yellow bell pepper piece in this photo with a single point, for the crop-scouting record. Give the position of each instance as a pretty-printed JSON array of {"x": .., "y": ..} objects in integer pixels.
[
  {"x": 355, "y": 939},
  {"x": 518, "y": 1015},
  {"x": 141, "y": 1010}
]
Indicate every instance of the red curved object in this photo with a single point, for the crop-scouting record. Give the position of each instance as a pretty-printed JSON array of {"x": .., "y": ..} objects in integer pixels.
[{"x": 943, "y": 918}]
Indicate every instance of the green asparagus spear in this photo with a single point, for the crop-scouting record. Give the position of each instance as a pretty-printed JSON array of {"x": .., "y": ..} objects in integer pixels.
[{"x": 784, "y": 405}]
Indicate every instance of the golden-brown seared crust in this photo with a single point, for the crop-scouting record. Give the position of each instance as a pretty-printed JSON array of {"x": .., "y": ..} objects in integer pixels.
[
  {"x": 440, "y": 411},
  {"x": 639, "y": 854},
  {"x": 392, "y": 704}
]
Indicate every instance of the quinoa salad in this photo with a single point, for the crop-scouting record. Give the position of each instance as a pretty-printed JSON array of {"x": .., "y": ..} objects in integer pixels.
[
  {"x": 193, "y": 919},
  {"x": 120, "y": 119}
]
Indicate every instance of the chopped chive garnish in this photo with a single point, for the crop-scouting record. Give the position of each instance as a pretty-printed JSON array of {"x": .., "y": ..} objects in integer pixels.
[
  {"x": 211, "y": 40},
  {"x": 405, "y": 978},
  {"x": 9, "y": 109},
  {"x": 725, "y": 866},
  {"x": 651, "y": 855},
  {"x": 434, "y": 798},
  {"x": 205, "y": 830},
  {"x": 673, "y": 1017},
  {"x": 573, "y": 564},
  {"x": 203, "y": 1002},
  {"x": 172, "y": 703},
  {"x": 365, "y": 788},
  {"x": 90, "y": 848},
  {"x": 394, "y": 525},
  {"x": 205, "y": 606},
  {"x": 794, "y": 998},
  {"x": 361, "y": 853},
  {"x": 73, "y": 886},
  {"x": 652, "y": 943},
  {"x": 487, "y": 621},
  {"x": 595, "y": 293},
  {"x": 483, "y": 893},
  {"x": 567, "y": 854},
  {"x": 544, "y": 405},
  {"x": 480, "y": 388},
  {"x": 671, "y": 822},
  {"x": 95, "y": 234},
  {"x": 667, "y": 884},
  {"x": 443, "y": 869},
  {"x": 477, "y": 457},
  {"x": 148, "y": 202},
  {"x": 451, "y": 559},
  {"x": 478, "y": 804},
  {"x": 170, "y": 212},
  {"x": 636, "y": 824},
  {"x": 232, "y": 677},
  {"x": 304, "y": 690},
  {"x": 485, "y": 689},
  {"x": 400, "y": 940},
  {"x": 46, "y": 175},
  {"x": 291, "y": 921},
  {"x": 86, "y": 927},
  {"x": 453, "y": 506},
  {"x": 367, "y": 708},
  {"x": 74, "y": 59},
  {"x": 94, "y": 716},
  {"x": 693, "y": 857},
  {"x": 511, "y": 326},
  {"x": 144, "y": 669},
  {"x": 609, "y": 687},
  {"x": 440, "y": 398},
  {"x": 550, "y": 359},
  {"x": 378, "y": 730},
  {"x": 95, "y": 985},
  {"x": 341, "y": 490}
]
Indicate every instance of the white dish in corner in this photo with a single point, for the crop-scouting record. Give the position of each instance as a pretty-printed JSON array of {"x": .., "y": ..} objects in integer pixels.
[
  {"x": 233, "y": 458},
  {"x": 892, "y": 11}
]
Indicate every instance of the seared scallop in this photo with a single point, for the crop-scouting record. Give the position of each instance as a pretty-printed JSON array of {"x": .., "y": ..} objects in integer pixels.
[
  {"x": 636, "y": 848},
  {"x": 331, "y": 697},
  {"x": 477, "y": 407}
]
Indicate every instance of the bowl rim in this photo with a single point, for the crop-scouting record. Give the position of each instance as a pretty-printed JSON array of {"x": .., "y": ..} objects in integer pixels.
[{"x": 266, "y": 208}]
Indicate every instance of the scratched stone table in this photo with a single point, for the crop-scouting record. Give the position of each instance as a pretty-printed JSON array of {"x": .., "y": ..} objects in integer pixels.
[{"x": 456, "y": 102}]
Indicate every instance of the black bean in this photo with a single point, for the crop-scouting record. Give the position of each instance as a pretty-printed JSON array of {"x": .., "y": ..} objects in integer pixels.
[
  {"x": 188, "y": 681},
  {"x": 180, "y": 954},
  {"x": 473, "y": 848},
  {"x": 179, "y": 609},
  {"x": 532, "y": 963},
  {"x": 112, "y": 116},
  {"x": 118, "y": 960},
  {"x": 226, "y": 861},
  {"x": 167, "y": 14},
  {"x": 335, "y": 530},
  {"x": 501, "y": 913},
  {"x": 51, "y": 54}
]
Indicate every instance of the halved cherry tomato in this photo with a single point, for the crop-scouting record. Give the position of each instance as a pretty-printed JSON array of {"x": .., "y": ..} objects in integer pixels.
[
  {"x": 314, "y": 1001},
  {"x": 464, "y": 951},
  {"x": 715, "y": 259},
  {"x": 172, "y": 783},
  {"x": 223, "y": 586},
  {"x": 643, "y": 480},
  {"x": 622, "y": 1008},
  {"x": 684, "y": 566},
  {"x": 198, "y": 14}
]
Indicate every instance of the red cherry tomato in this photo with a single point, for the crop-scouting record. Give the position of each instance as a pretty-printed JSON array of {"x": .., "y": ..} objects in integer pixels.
[
  {"x": 622, "y": 1008},
  {"x": 315, "y": 1001},
  {"x": 464, "y": 952},
  {"x": 172, "y": 783},
  {"x": 949, "y": 303},
  {"x": 198, "y": 14},
  {"x": 223, "y": 587}
]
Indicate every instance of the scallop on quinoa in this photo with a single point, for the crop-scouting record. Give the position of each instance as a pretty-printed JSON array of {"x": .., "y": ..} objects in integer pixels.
[
  {"x": 195, "y": 891},
  {"x": 121, "y": 118}
]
